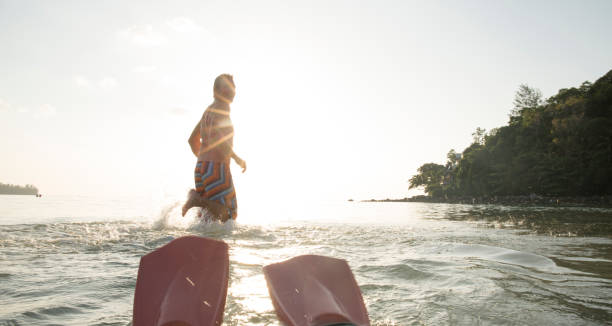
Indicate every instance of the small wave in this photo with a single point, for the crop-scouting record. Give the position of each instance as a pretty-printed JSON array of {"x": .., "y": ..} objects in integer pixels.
[
  {"x": 385, "y": 322},
  {"x": 61, "y": 310},
  {"x": 45, "y": 313},
  {"x": 406, "y": 272},
  {"x": 427, "y": 263},
  {"x": 376, "y": 287},
  {"x": 396, "y": 271},
  {"x": 255, "y": 233},
  {"x": 159, "y": 241},
  {"x": 71, "y": 238},
  {"x": 588, "y": 259},
  {"x": 124, "y": 283},
  {"x": 33, "y": 315},
  {"x": 511, "y": 257},
  {"x": 89, "y": 306}
]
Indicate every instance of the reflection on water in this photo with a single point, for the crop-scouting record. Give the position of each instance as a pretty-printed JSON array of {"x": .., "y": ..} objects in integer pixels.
[
  {"x": 546, "y": 220},
  {"x": 432, "y": 264}
]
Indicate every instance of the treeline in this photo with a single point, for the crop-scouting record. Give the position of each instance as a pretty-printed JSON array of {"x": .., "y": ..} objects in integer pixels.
[
  {"x": 8, "y": 189},
  {"x": 561, "y": 146}
]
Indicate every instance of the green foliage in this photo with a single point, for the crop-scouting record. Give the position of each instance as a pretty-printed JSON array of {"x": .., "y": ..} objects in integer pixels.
[
  {"x": 479, "y": 135},
  {"x": 562, "y": 146},
  {"x": 526, "y": 98},
  {"x": 430, "y": 177}
]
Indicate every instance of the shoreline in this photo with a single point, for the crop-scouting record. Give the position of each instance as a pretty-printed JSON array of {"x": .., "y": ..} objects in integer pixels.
[{"x": 526, "y": 200}]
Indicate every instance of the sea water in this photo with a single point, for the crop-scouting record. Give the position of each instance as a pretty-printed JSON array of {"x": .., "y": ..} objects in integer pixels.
[{"x": 73, "y": 260}]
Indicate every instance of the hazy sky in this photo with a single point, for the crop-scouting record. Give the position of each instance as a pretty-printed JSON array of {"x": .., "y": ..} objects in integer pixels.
[{"x": 335, "y": 99}]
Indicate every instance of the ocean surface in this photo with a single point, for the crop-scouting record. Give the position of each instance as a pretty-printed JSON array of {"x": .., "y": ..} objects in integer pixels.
[{"x": 73, "y": 260}]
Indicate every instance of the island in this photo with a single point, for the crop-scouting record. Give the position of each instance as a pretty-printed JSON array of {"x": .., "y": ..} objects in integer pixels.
[
  {"x": 556, "y": 151},
  {"x": 530, "y": 200},
  {"x": 9, "y": 189}
]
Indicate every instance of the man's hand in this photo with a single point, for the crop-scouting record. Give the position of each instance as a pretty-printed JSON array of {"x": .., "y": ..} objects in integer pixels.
[{"x": 241, "y": 163}]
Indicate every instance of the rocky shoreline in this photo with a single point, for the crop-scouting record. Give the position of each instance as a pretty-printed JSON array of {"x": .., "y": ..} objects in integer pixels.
[
  {"x": 527, "y": 200},
  {"x": 517, "y": 213}
]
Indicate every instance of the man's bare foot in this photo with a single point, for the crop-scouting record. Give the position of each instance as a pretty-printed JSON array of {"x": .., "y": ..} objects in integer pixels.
[{"x": 191, "y": 197}]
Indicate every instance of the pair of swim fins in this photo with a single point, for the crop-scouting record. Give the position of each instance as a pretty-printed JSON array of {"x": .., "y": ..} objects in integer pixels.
[{"x": 184, "y": 283}]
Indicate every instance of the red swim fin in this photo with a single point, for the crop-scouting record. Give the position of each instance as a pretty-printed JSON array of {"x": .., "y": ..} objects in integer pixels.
[
  {"x": 182, "y": 283},
  {"x": 314, "y": 290}
]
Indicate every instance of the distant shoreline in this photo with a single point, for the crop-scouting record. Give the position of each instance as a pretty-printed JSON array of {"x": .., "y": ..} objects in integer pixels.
[
  {"x": 10, "y": 189},
  {"x": 527, "y": 200}
]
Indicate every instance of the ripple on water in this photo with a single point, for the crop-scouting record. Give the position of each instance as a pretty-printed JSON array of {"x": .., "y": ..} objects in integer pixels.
[
  {"x": 60, "y": 310},
  {"x": 433, "y": 272},
  {"x": 376, "y": 287},
  {"x": 406, "y": 272},
  {"x": 156, "y": 243}
]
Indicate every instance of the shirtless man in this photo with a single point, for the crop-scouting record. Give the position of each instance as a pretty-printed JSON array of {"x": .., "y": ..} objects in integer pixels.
[{"x": 211, "y": 141}]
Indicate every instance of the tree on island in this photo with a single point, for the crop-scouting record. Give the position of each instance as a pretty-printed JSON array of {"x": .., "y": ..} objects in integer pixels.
[
  {"x": 561, "y": 146},
  {"x": 525, "y": 98},
  {"x": 430, "y": 177},
  {"x": 9, "y": 189}
]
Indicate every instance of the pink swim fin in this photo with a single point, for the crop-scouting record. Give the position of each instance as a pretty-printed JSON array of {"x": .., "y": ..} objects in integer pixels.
[
  {"x": 182, "y": 283},
  {"x": 314, "y": 290}
]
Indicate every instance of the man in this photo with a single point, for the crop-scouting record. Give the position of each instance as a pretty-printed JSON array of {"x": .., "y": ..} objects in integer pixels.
[{"x": 211, "y": 141}]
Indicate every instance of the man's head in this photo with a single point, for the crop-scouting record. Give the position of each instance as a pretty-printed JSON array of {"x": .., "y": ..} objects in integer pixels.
[{"x": 224, "y": 88}]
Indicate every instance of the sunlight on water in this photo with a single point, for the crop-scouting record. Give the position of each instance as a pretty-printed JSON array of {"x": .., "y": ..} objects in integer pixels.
[{"x": 415, "y": 263}]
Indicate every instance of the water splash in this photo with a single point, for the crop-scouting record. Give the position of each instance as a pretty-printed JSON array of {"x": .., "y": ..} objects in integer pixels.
[
  {"x": 210, "y": 228},
  {"x": 170, "y": 217}
]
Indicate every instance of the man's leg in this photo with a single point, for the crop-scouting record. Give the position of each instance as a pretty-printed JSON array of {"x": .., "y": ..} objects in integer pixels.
[{"x": 194, "y": 199}]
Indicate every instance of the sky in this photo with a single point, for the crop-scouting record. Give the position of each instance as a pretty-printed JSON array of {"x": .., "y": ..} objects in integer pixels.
[{"x": 335, "y": 99}]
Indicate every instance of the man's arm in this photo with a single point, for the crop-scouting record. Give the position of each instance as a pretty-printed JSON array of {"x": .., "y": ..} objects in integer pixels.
[
  {"x": 194, "y": 140},
  {"x": 227, "y": 147},
  {"x": 225, "y": 142}
]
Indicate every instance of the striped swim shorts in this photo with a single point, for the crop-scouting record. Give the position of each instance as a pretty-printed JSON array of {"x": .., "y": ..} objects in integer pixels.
[{"x": 213, "y": 181}]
